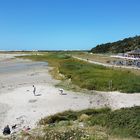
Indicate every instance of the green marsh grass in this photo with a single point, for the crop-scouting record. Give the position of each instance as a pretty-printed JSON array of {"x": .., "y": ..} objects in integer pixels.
[
  {"x": 95, "y": 77},
  {"x": 90, "y": 76}
]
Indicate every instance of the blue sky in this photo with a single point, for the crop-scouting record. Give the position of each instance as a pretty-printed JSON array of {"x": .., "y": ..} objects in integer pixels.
[{"x": 66, "y": 24}]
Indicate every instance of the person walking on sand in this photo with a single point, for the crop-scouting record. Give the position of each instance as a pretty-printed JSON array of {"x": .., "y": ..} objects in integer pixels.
[{"x": 34, "y": 89}]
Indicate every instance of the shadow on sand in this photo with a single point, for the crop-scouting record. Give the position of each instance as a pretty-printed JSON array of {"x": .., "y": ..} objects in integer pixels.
[
  {"x": 38, "y": 94},
  {"x": 63, "y": 93}
]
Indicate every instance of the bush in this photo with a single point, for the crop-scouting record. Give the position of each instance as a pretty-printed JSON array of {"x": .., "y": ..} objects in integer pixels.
[{"x": 64, "y": 116}]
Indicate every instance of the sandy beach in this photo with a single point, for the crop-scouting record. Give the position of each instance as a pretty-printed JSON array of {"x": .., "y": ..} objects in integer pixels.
[{"x": 18, "y": 105}]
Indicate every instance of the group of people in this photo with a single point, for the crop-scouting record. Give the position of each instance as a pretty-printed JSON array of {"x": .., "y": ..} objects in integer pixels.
[
  {"x": 34, "y": 90},
  {"x": 8, "y": 131}
]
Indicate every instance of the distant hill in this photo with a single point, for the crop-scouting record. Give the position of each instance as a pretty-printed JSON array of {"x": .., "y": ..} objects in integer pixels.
[{"x": 120, "y": 46}]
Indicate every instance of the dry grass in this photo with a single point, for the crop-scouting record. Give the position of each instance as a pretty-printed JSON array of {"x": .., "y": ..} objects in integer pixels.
[
  {"x": 95, "y": 57},
  {"x": 103, "y": 59}
]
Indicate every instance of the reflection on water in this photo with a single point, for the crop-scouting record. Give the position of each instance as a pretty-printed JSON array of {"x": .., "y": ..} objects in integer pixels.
[{"x": 20, "y": 66}]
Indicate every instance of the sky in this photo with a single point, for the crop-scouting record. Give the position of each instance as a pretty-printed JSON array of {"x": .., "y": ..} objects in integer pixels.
[{"x": 66, "y": 24}]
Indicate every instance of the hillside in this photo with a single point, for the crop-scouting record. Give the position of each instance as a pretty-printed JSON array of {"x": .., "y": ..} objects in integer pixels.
[{"x": 120, "y": 46}]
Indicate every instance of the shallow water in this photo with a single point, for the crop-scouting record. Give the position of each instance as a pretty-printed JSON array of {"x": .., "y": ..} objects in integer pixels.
[{"x": 9, "y": 67}]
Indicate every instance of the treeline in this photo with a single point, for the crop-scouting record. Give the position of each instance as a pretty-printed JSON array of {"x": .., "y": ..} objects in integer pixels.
[{"x": 120, "y": 46}]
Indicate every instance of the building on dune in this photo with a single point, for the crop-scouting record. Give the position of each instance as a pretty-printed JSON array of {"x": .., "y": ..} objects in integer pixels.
[{"x": 133, "y": 53}]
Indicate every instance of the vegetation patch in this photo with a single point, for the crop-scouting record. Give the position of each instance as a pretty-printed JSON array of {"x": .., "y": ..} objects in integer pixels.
[
  {"x": 120, "y": 46},
  {"x": 74, "y": 115},
  {"x": 124, "y": 122},
  {"x": 90, "y": 76},
  {"x": 89, "y": 124},
  {"x": 96, "y": 77}
]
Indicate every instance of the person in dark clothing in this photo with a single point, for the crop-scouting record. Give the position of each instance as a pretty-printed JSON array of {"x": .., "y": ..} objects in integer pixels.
[
  {"x": 6, "y": 130},
  {"x": 34, "y": 89}
]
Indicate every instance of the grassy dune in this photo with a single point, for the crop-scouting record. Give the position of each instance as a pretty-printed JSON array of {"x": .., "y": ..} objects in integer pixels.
[
  {"x": 90, "y": 76},
  {"x": 90, "y": 124}
]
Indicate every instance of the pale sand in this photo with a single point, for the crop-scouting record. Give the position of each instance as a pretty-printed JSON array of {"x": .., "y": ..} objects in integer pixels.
[{"x": 19, "y": 106}]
